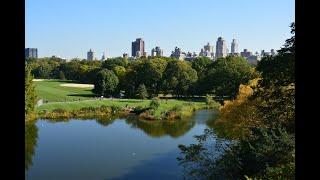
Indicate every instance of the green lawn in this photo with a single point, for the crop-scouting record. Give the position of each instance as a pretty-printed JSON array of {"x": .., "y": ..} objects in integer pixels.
[
  {"x": 51, "y": 91},
  {"x": 115, "y": 102},
  {"x": 67, "y": 98}
]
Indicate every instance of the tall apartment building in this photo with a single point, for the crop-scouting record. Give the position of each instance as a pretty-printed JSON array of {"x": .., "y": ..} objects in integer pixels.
[
  {"x": 207, "y": 51},
  {"x": 272, "y": 52},
  {"x": 234, "y": 46},
  {"x": 137, "y": 48},
  {"x": 246, "y": 53},
  {"x": 31, "y": 53},
  {"x": 221, "y": 48},
  {"x": 157, "y": 52},
  {"x": 90, "y": 55},
  {"x": 208, "y": 47},
  {"x": 177, "y": 53}
]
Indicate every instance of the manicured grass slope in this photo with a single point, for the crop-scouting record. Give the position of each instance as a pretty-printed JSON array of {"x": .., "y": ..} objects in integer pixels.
[
  {"x": 115, "y": 102},
  {"x": 51, "y": 91}
]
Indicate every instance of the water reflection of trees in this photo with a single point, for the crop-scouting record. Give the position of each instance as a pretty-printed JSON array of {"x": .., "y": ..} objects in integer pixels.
[
  {"x": 31, "y": 135},
  {"x": 105, "y": 120},
  {"x": 161, "y": 128}
]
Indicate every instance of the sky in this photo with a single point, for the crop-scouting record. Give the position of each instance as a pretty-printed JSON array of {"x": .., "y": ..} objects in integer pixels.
[{"x": 69, "y": 28}]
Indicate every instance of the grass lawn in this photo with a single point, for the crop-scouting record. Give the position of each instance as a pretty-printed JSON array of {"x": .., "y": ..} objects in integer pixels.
[
  {"x": 51, "y": 91},
  {"x": 115, "y": 102},
  {"x": 75, "y": 98}
]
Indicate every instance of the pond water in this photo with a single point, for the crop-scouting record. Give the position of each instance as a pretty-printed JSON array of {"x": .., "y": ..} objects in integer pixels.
[{"x": 109, "y": 149}]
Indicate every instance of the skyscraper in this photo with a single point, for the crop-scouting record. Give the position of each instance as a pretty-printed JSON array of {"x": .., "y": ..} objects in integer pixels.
[
  {"x": 137, "y": 48},
  {"x": 234, "y": 47},
  {"x": 31, "y": 53},
  {"x": 221, "y": 48},
  {"x": 90, "y": 55},
  {"x": 156, "y": 52}
]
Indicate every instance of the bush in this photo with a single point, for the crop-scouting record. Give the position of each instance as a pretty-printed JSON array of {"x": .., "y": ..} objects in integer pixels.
[
  {"x": 142, "y": 91},
  {"x": 209, "y": 100},
  {"x": 154, "y": 104},
  {"x": 59, "y": 110},
  {"x": 88, "y": 109}
]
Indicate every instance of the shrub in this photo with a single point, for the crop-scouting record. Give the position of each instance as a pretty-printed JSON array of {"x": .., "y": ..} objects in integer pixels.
[
  {"x": 59, "y": 110},
  {"x": 88, "y": 109},
  {"x": 209, "y": 100},
  {"x": 154, "y": 104}
]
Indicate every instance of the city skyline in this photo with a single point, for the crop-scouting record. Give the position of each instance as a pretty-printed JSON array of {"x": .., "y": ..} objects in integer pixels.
[{"x": 163, "y": 24}]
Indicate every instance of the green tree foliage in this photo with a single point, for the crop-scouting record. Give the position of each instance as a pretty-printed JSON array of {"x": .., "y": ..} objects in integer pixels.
[
  {"x": 62, "y": 76},
  {"x": 179, "y": 77},
  {"x": 227, "y": 74},
  {"x": 267, "y": 154},
  {"x": 209, "y": 99},
  {"x": 142, "y": 91},
  {"x": 262, "y": 120},
  {"x": 106, "y": 83},
  {"x": 30, "y": 95},
  {"x": 201, "y": 64},
  {"x": 154, "y": 104},
  {"x": 151, "y": 73},
  {"x": 120, "y": 72},
  {"x": 110, "y": 63}
]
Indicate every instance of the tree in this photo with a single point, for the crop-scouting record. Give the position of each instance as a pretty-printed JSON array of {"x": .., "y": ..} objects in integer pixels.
[
  {"x": 179, "y": 77},
  {"x": 62, "y": 76},
  {"x": 150, "y": 72},
  {"x": 110, "y": 63},
  {"x": 154, "y": 104},
  {"x": 227, "y": 74},
  {"x": 106, "y": 83},
  {"x": 261, "y": 119},
  {"x": 120, "y": 72},
  {"x": 280, "y": 69},
  {"x": 142, "y": 91},
  {"x": 30, "y": 95},
  {"x": 72, "y": 69},
  {"x": 201, "y": 64}
]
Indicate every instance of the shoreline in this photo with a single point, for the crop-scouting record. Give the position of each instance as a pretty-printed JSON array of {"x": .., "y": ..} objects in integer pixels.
[{"x": 168, "y": 111}]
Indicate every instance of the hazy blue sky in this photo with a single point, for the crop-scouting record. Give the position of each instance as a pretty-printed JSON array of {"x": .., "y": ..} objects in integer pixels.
[{"x": 69, "y": 28}]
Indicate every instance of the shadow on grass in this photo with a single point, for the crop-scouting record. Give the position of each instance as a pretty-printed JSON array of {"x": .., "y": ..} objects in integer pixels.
[
  {"x": 57, "y": 80},
  {"x": 130, "y": 100},
  {"x": 82, "y": 95}
]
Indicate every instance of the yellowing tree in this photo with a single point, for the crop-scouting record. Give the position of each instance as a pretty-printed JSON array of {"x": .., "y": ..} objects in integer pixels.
[{"x": 238, "y": 115}]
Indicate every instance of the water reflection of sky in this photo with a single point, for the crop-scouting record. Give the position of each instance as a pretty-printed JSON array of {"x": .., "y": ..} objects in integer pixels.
[{"x": 80, "y": 149}]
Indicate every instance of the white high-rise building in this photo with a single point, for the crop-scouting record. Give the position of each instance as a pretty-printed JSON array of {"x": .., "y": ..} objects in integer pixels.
[
  {"x": 234, "y": 47},
  {"x": 221, "y": 48}
]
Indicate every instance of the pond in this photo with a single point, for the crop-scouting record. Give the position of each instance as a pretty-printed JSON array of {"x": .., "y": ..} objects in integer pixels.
[{"x": 109, "y": 149}]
